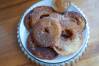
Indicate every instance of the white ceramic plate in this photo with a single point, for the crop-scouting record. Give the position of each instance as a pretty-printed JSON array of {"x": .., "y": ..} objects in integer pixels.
[{"x": 22, "y": 35}]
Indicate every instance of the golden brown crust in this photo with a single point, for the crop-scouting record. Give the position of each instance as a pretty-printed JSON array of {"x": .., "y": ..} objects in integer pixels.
[
  {"x": 77, "y": 19},
  {"x": 40, "y": 12},
  {"x": 68, "y": 47},
  {"x": 53, "y": 31},
  {"x": 46, "y": 32},
  {"x": 36, "y": 14},
  {"x": 72, "y": 26},
  {"x": 40, "y": 52},
  {"x": 27, "y": 21}
]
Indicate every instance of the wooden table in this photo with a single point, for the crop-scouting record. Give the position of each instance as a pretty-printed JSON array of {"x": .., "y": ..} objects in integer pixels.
[{"x": 10, "y": 12}]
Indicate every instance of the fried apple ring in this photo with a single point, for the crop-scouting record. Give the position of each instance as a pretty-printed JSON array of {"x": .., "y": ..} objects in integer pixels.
[
  {"x": 77, "y": 18},
  {"x": 37, "y": 13},
  {"x": 46, "y": 32},
  {"x": 40, "y": 52},
  {"x": 68, "y": 47},
  {"x": 40, "y": 12},
  {"x": 70, "y": 35}
]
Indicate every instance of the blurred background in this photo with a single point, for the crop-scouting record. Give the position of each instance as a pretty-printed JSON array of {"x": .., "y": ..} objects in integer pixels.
[
  {"x": 13, "y": 7},
  {"x": 10, "y": 12}
]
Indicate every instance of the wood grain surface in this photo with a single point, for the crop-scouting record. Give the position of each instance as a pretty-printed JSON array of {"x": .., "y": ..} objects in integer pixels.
[{"x": 10, "y": 12}]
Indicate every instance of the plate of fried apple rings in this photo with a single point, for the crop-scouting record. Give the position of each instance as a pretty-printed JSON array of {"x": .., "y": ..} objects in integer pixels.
[{"x": 50, "y": 38}]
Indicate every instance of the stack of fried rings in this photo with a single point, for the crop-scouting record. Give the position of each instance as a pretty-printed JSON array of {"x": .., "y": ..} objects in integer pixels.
[{"x": 46, "y": 28}]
